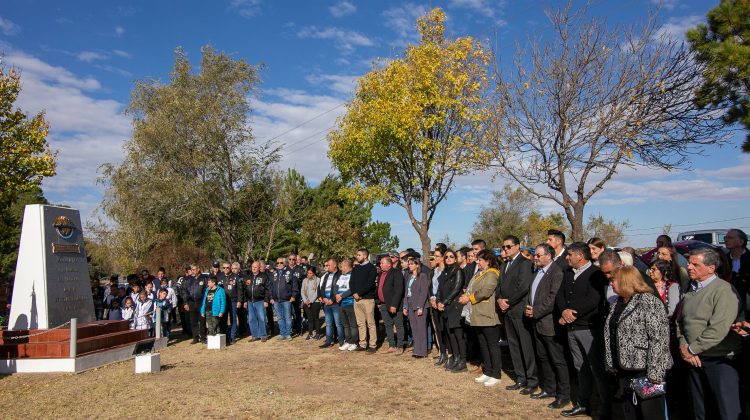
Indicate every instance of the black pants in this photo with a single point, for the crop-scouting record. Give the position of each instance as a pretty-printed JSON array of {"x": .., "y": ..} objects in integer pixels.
[
  {"x": 351, "y": 333},
  {"x": 520, "y": 344},
  {"x": 551, "y": 356},
  {"x": 297, "y": 315},
  {"x": 269, "y": 320},
  {"x": 389, "y": 322},
  {"x": 437, "y": 329},
  {"x": 197, "y": 324},
  {"x": 312, "y": 312},
  {"x": 717, "y": 379},
  {"x": 650, "y": 409},
  {"x": 456, "y": 342},
  {"x": 489, "y": 347}
]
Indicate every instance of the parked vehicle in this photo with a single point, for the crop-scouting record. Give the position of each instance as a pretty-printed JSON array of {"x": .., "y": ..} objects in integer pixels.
[
  {"x": 683, "y": 247},
  {"x": 709, "y": 236}
]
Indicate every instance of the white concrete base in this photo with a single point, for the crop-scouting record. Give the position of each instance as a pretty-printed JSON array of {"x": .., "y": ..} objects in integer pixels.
[
  {"x": 74, "y": 365},
  {"x": 217, "y": 342},
  {"x": 148, "y": 363}
]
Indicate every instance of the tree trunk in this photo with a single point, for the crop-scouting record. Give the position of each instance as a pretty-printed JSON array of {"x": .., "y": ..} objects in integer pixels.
[
  {"x": 424, "y": 237},
  {"x": 575, "y": 218}
]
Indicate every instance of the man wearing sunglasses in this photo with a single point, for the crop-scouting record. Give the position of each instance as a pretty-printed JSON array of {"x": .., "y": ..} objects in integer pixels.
[
  {"x": 299, "y": 273},
  {"x": 283, "y": 292}
]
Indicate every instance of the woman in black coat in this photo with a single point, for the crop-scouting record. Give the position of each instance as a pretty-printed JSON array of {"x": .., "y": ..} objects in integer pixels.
[{"x": 449, "y": 289}]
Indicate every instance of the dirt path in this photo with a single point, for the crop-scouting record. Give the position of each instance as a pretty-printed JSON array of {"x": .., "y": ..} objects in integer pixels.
[{"x": 266, "y": 380}]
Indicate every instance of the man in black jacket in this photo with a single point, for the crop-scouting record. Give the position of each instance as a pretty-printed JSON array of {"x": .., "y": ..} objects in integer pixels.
[
  {"x": 390, "y": 288},
  {"x": 192, "y": 290},
  {"x": 363, "y": 289},
  {"x": 581, "y": 302},
  {"x": 547, "y": 335},
  {"x": 512, "y": 291},
  {"x": 256, "y": 294},
  {"x": 299, "y": 274},
  {"x": 556, "y": 239}
]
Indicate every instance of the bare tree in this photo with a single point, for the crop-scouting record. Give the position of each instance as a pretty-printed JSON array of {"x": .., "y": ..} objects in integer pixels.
[{"x": 591, "y": 100}]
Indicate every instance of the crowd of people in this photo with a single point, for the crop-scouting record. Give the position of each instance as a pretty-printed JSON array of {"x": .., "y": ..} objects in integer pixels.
[{"x": 641, "y": 336}]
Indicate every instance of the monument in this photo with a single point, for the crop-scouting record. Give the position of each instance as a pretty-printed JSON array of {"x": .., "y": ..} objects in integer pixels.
[{"x": 52, "y": 281}]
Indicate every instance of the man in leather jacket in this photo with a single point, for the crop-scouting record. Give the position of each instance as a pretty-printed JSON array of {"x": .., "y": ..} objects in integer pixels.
[{"x": 192, "y": 290}]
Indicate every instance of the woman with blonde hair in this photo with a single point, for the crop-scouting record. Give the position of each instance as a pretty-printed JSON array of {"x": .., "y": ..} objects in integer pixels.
[{"x": 636, "y": 338}]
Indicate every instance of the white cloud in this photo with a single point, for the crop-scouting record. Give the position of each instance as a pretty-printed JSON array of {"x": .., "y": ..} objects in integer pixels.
[
  {"x": 121, "y": 53},
  {"x": 9, "y": 28},
  {"x": 403, "y": 20},
  {"x": 246, "y": 8},
  {"x": 85, "y": 131},
  {"x": 342, "y": 8},
  {"x": 343, "y": 84},
  {"x": 347, "y": 40},
  {"x": 119, "y": 31},
  {"x": 737, "y": 172},
  {"x": 90, "y": 56},
  {"x": 487, "y": 8},
  {"x": 675, "y": 27},
  {"x": 666, "y": 4}
]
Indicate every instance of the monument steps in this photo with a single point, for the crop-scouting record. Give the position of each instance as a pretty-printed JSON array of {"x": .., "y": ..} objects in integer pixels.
[{"x": 92, "y": 337}]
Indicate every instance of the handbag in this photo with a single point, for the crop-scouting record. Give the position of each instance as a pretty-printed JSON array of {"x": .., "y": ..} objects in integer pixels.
[{"x": 645, "y": 389}]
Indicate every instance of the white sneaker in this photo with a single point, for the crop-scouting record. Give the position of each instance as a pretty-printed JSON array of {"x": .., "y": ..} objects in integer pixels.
[
  {"x": 491, "y": 382},
  {"x": 352, "y": 347},
  {"x": 482, "y": 379},
  {"x": 344, "y": 346}
]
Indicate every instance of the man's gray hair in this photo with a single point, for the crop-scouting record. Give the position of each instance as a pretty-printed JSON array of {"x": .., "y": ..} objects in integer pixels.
[
  {"x": 709, "y": 256},
  {"x": 610, "y": 256}
]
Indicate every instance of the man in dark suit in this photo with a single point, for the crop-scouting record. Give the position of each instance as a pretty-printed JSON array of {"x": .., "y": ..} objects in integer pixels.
[
  {"x": 556, "y": 239},
  {"x": 581, "y": 301},
  {"x": 390, "y": 295},
  {"x": 548, "y": 339},
  {"x": 513, "y": 290}
]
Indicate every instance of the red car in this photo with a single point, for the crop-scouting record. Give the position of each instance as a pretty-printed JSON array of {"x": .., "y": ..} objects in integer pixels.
[{"x": 683, "y": 247}]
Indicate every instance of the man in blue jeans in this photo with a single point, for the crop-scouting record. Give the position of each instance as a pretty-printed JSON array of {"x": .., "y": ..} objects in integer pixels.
[
  {"x": 256, "y": 292},
  {"x": 283, "y": 292},
  {"x": 331, "y": 308}
]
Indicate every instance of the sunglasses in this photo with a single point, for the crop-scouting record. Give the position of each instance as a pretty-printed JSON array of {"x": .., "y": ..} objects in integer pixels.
[
  {"x": 279, "y": 263},
  {"x": 453, "y": 257},
  {"x": 508, "y": 246}
]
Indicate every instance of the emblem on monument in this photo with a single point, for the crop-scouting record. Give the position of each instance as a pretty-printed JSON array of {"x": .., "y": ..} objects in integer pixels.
[{"x": 64, "y": 227}]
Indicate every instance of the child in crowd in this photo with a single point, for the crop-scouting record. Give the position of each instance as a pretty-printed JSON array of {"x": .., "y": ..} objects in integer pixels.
[
  {"x": 115, "y": 313},
  {"x": 127, "y": 310},
  {"x": 165, "y": 305},
  {"x": 144, "y": 309}
]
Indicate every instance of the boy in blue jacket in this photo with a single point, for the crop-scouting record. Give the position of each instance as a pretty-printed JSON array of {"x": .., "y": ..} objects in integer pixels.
[{"x": 213, "y": 306}]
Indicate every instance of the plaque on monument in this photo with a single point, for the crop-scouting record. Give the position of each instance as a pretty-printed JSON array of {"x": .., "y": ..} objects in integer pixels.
[{"x": 52, "y": 281}]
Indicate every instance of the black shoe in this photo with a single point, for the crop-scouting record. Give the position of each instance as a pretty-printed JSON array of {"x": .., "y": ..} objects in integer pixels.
[
  {"x": 309, "y": 337},
  {"x": 575, "y": 411},
  {"x": 372, "y": 350},
  {"x": 542, "y": 395},
  {"x": 459, "y": 366},
  {"x": 360, "y": 349},
  {"x": 450, "y": 363},
  {"x": 529, "y": 390},
  {"x": 325, "y": 345},
  {"x": 515, "y": 387},
  {"x": 558, "y": 403},
  {"x": 195, "y": 341},
  {"x": 317, "y": 337},
  {"x": 441, "y": 359}
]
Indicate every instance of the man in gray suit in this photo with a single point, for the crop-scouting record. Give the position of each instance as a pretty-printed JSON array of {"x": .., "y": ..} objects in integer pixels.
[{"x": 549, "y": 343}]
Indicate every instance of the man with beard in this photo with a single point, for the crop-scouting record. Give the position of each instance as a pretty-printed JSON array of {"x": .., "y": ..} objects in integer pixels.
[{"x": 363, "y": 290}]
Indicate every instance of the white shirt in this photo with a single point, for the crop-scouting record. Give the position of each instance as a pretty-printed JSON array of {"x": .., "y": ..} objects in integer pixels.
[{"x": 577, "y": 271}]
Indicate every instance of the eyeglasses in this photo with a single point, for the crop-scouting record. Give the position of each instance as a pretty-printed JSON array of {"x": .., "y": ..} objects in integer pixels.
[
  {"x": 226, "y": 268},
  {"x": 508, "y": 246},
  {"x": 539, "y": 255},
  {"x": 279, "y": 262},
  {"x": 452, "y": 257}
]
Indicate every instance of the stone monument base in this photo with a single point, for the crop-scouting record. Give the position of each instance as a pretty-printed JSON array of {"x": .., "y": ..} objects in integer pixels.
[
  {"x": 217, "y": 342},
  {"x": 98, "y": 343},
  {"x": 148, "y": 363}
]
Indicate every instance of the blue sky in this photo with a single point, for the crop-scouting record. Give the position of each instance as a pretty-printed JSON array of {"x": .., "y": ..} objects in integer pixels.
[{"x": 79, "y": 61}]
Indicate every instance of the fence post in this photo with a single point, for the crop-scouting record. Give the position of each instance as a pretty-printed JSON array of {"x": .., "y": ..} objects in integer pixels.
[{"x": 73, "y": 337}]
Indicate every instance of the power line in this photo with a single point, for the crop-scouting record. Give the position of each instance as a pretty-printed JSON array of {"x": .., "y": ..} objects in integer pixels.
[
  {"x": 688, "y": 224},
  {"x": 305, "y": 122}
]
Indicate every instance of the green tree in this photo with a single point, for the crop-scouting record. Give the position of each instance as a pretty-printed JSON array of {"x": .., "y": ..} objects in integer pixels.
[
  {"x": 11, "y": 219},
  {"x": 611, "y": 232},
  {"x": 723, "y": 46},
  {"x": 25, "y": 156},
  {"x": 193, "y": 166},
  {"x": 413, "y": 123}
]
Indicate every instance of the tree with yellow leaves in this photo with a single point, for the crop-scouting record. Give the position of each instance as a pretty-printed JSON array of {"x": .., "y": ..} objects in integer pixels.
[
  {"x": 412, "y": 125},
  {"x": 25, "y": 157}
]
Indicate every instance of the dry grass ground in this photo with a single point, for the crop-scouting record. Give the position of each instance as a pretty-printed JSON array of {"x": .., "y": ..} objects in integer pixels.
[{"x": 266, "y": 380}]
